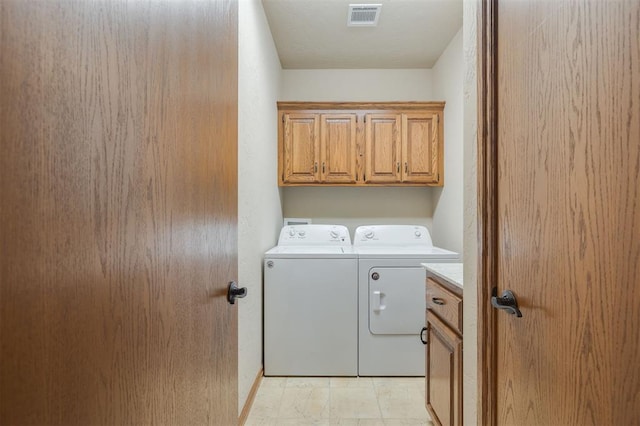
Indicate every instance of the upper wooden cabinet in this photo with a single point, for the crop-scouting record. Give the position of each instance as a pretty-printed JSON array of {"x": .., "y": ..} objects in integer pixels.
[
  {"x": 301, "y": 148},
  {"x": 319, "y": 148},
  {"x": 361, "y": 144},
  {"x": 338, "y": 148},
  {"x": 382, "y": 148},
  {"x": 421, "y": 148},
  {"x": 402, "y": 148}
]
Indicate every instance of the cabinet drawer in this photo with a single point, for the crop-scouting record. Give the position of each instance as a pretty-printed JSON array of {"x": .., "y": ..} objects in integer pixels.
[{"x": 445, "y": 304}]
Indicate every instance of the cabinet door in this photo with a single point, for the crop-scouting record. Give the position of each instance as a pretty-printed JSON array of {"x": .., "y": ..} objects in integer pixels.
[
  {"x": 420, "y": 148},
  {"x": 301, "y": 146},
  {"x": 443, "y": 373},
  {"x": 382, "y": 151},
  {"x": 338, "y": 148}
]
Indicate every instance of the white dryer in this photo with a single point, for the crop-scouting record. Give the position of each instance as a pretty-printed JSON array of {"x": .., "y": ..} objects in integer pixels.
[
  {"x": 311, "y": 303},
  {"x": 392, "y": 303}
]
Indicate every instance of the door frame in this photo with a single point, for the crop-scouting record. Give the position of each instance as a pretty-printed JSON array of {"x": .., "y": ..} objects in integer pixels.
[{"x": 487, "y": 208}]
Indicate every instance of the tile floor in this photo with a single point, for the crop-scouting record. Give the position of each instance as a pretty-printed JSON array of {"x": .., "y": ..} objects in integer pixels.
[{"x": 341, "y": 401}]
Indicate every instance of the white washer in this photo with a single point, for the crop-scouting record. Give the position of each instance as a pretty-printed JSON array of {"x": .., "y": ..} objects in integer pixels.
[
  {"x": 311, "y": 303},
  {"x": 392, "y": 302}
]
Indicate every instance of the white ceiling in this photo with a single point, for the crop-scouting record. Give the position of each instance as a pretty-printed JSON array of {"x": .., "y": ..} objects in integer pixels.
[{"x": 313, "y": 34}]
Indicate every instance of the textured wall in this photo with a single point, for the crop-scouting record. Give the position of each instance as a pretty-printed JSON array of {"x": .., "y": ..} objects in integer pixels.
[
  {"x": 259, "y": 207},
  {"x": 358, "y": 206},
  {"x": 448, "y": 201},
  {"x": 356, "y": 85},
  {"x": 470, "y": 313}
]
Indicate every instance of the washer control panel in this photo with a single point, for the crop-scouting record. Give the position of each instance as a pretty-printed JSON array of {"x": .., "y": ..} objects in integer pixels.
[{"x": 314, "y": 235}]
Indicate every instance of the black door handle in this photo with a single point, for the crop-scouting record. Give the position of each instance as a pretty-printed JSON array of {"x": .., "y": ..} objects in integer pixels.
[
  {"x": 234, "y": 292},
  {"x": 507, "y": 302},
  {"x": 422, "y": 339}
]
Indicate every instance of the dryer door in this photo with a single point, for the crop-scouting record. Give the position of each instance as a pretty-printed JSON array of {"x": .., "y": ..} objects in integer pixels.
[{"x": 396, "y": 300}]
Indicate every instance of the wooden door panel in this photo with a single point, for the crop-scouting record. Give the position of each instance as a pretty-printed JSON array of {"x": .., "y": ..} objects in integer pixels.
[
  {"x": 301, "y": 147},
  {"x": 420, "y": 148},
  {"x": 568, "y": 226},
  {"x": 383, "y": 145},
  {"x": 338, "y": 147},
  {"x": 118, "y": 213}
]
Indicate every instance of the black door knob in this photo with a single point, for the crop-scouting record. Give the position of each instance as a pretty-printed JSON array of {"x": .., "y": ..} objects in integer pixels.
[
  {"x": 506, "y": 302},
  {"x": 234, "y": 292}
]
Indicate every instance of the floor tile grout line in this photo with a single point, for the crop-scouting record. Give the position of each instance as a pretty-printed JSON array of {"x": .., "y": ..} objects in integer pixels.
[{"x": 375, "y": 391}]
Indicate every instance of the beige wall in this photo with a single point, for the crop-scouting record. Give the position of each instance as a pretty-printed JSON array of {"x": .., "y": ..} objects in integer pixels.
[
  {"x": 447, "y": 200},
  {"x": 470, "y": 310},
  {"x": 259, "y": 207},
  {"x": 356, "y": 85},
  {"x": 358, "y": 206}
]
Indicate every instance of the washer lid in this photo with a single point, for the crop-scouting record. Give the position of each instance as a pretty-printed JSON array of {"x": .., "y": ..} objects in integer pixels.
[{"x": 310, "y": 252}]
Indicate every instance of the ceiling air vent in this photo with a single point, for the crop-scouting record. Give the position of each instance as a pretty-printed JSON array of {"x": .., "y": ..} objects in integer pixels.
[{"x": 363, "y": 15}]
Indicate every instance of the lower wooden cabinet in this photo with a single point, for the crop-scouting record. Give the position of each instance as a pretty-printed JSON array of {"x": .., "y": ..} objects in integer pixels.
[
  {"x": 443, "y": 373},
  {"x": 443, "y": 355}
]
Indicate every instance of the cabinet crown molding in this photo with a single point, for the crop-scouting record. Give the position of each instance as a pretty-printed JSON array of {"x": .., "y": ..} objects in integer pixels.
[{"x": 395, "y": 105}]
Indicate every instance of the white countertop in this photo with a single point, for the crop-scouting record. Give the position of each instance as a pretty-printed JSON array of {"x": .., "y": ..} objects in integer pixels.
[{"x": 451, "y": 272}]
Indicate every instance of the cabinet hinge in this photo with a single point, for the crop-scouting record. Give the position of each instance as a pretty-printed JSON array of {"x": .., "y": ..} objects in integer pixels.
[
  {"x": 283, "y": 118},
  {"x": 438, "y": 119}
]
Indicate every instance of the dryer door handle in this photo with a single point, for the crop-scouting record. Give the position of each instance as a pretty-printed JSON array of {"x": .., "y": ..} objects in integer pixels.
[{"x": 377, "y": 301}]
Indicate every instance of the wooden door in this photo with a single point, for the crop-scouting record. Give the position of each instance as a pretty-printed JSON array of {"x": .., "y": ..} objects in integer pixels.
[
  {"x": 118, "y": 217},
  {"x": 301, "y": 140},
  {"x": 382, "y": 148},
  {"x": 338, "y": 147},
  {"x": 421, "y": 148},
  {"x": 560, "y": 212}
]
